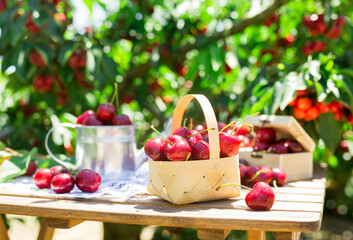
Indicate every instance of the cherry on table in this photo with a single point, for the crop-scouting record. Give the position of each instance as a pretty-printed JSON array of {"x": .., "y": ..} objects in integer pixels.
[
  {"x": 264, "y": 174},
  {"x": 88, "y": 180},
  {"x": 154, "y": 149},
  {"x": 42, "y": 178},
  {"x": 62, "y": 183},
  {"x": 59, "y": 169},
  {"x": 31, "y": 169},
  {"x": 261, "y": 197},
  {"x": 280, "y": 176}
]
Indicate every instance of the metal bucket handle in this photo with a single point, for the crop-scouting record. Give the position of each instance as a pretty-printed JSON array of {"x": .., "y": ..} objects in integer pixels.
[{"x": 68, "y": 125}]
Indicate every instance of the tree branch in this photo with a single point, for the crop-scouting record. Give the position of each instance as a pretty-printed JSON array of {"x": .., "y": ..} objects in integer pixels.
[{"x": 237, "y": 27}]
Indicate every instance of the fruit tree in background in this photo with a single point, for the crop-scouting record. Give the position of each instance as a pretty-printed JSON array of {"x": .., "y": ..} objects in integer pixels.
[{"x": 287, "y": 57}]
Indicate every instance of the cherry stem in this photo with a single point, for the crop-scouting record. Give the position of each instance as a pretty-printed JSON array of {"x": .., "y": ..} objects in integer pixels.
[
  {"x": 249, "y": 125},
  {"x": 187, "y": 158},
  {"x": 208, "y": 129},
  {"x": 117, "y": 97},
  {"x": 252, "y": 115},
  {"x": 257, "y": 174},
  {"x": 233, "y": 184},
  {"x": 152, "y": 127},
  {"x": 237, "y": 124},
  {"x": 190, "y": 126},
  {"x": 274, "y": 182},
  {"x": 184, "y": 122}
]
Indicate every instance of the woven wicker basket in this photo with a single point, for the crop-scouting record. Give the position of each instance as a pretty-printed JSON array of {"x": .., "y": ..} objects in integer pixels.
[{"x": 195, "y": 180}]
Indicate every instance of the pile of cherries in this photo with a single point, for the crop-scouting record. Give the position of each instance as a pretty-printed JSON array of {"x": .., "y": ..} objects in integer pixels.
[
  {"x": 105, "y": 115},
  {"x": 192, "y": 144},
  {"x": 265, "y": 140},
  {"x": 61, "y": 180}
]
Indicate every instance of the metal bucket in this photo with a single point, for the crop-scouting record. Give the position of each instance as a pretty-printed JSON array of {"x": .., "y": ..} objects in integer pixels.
[{"x": 108, "y": 150}]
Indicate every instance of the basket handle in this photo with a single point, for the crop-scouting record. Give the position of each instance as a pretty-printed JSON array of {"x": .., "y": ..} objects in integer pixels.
[{"x": 210, "y": 118}]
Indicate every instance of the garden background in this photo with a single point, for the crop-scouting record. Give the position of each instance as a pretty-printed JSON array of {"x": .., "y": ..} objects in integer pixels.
[{"x": 277, "y": 57}]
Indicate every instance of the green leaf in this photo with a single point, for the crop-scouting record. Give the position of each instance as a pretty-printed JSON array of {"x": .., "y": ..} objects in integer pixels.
[
  {"x": 16, "y": 32},
  {"x": 348, "y": 84},
  {"x": 232, "y": 60},
  {"x": 277, "y": 97},
  {"x": 65, "y": 52},
  {"x": 15, "y": 166},
  {"x": 89, "y": 4},
  {"x": 216, "y": 58},
  {"x": 329, "y": 131}
]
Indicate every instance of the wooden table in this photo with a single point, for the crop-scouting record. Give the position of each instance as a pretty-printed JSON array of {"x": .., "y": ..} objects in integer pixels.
[{"x": 298, "y": 208}]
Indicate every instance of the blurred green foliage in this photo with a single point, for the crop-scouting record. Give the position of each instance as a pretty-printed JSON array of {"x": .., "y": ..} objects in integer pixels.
[{"x": 161, "y": 50}]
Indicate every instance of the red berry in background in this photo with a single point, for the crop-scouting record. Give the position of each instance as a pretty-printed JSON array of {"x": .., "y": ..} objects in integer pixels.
[
  {"x": 302, "y": 93},
  {"x": 261, "y": 197},
  {"x": 92, "y": 120},
  {"x": 181, "y": 69},
  {"x": 121, "y": 120},
  {"x": 334, "y": 32},
  {"x": 306, "y": 49},
  {"x": 36, "y": 58},
  {"x": 43, "y": 83},
  {"x": 31, "y": 25},
  {"x": 350, "y": 118},
  {"x": 82, "y": 59},
  {"x": 266, "y": 134},
  {"x": 227, "y": 69},
  {"x": 323, "y": 108},
  {"x": 42, "y": 178},
  {"x": 304, "y": 103},
  {"x": 61, "y": 17},
  {"x": 200, "y": 151},
  {"x": 56, "y": 2},
  {"x": 74, "y": 60},
  {"x": 298, "y": 113},
  {"x": 229, "y": 144},
  {"x": 106, "y": 111},
  {"x": 277, "y": 148},
  {"x": 279, "y": 176},
  {"x": 339, "y": 116},
  {"x": 81, "y": 118},
  {"x": 318, "y": 46},
  {"x": 265, "y": 175},
  {"x": 335, "y": 106},
  {"x": 31, "y": 169},
  {"x": 293, "y": 103},
  {"x": 88, "y": 180},
  {"x": 312, "y": 113},
  {"x": 154, "y": 149},
  {"x": 260, "y": 146},
  {"x": 293, "y": 146},
  {"x": 243, "y": 170},
  {"x": 340, "y": 21},
  {"x": 62, "y": 183},
  {"x": 178, "y": 150},
  {"x": 3, "y": 5},
  {"x": 271, "y": 20}
]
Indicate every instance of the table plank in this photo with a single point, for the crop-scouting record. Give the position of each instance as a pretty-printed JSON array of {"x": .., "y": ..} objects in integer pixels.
[{"x": 163, "y": 216}]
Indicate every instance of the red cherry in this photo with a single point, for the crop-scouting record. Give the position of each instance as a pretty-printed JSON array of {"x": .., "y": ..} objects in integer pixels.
[
  {"x": 192, "y": 140},
  {"x": 340, "y": 21},
  {"x": 312, "y": 113},
  {"x": 91, "y": 120},
  {"x": 183, "y": 131},
  {"x": 74, "y": 60},
  {"x": 200, "y": 128},
  {"x": 304, "y": 103},
  {"x": 57, "y": 169},
  {"x": 227, "y": 68},
  {"x": 293, "y": 146},
  {"x": 266, "y": 134},
  {"x": 88, "y": 180},
  {"x": 154, "y": 149},
  {"x": 335, "y": 106},
  {"x": 61, "y": 17},
  {"x": 36, "y": 59},
  {"x": 277, "y": 148},
  {"x": 121, "y": 120},
  {"x": 3, "y": 5},
  {"x": 43, "y": 83},
  {"x": 32, "y": 167},
  {"x": 265, "y": 175},
  {"x": 42, "y": 178},
  {"x": 245, "y": 140},
  {"x": 178, "y": 150},
  {"x": 298, "y": 113},
  {"x": 62, "y": 183},
  {"x": 334, "y": 32},
  {"x": 260, "y": 146},
  {"x": 302, "y": 93},
  {"x": 200, "y": 151},
  {"x": 106, "y": 111},
  {"x": 279, "y": 176},
  {"x": 243, "y": 169},
  {"x": 323, "y": 108},
  {"x": 229, "y": 144},
  {"x": 261, "y": 197},
  {"x": 31, "y": 25},
  {"x": 82, "y": 60},
  {"x": 81, "y": 118}
]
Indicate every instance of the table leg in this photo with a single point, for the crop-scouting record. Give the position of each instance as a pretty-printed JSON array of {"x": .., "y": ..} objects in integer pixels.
[
  {"x": 45, "y": 232},
  {"x": 3, "y": 230},
  {"x": 62, "y": 223},
  {"x": 212, "y": 234},
  {"x": 256, "y": 235},
  {"x": 287, "y": 235}
]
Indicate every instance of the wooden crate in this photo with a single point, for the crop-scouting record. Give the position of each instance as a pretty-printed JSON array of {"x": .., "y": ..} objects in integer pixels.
[{"x": 297, "y": 165}]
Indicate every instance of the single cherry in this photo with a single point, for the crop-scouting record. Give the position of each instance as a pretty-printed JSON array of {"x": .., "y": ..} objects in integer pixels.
[
  {"x": 259, "y": 174},
  {"x": 193, "y": 139},
  {"x": 260, "y": 146},
  {"x": 176, "y": 148},
  {"x": 92, "y": 120},
  {"x": 243, "y": 161},
  {"x": 277, "y": 148},
  {"x": 200, "y": 128},
  {"x": 81, "y": 118},
  {"x": 154, "y": 149},
  {"x": 279, "y": 176},
  {"x": 293, "y": 146},
  {"x": 105, "y": 111},
  {"x": 200, "y": 151},
  {"x": 88, "y": 180},
  {"x": 245, "y": 140},
  {"x": 266, "y": 134},
  {"x": 183, "y": 131},
  {"x": 243, "y": 169},
  {"x": 42, "y": 178},
  {"x": 31, "y": 169},
  {"x": 261, "y": 197},
  {"x": 121, "y": 120},
  {"x": 229, "y": 144},
  {"x": 59, "y": 169},
  {"x": 62, "y": 183}
]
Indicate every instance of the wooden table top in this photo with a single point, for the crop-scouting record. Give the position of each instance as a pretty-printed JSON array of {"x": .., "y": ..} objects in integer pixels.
[{"x": 298, "y": 208}]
